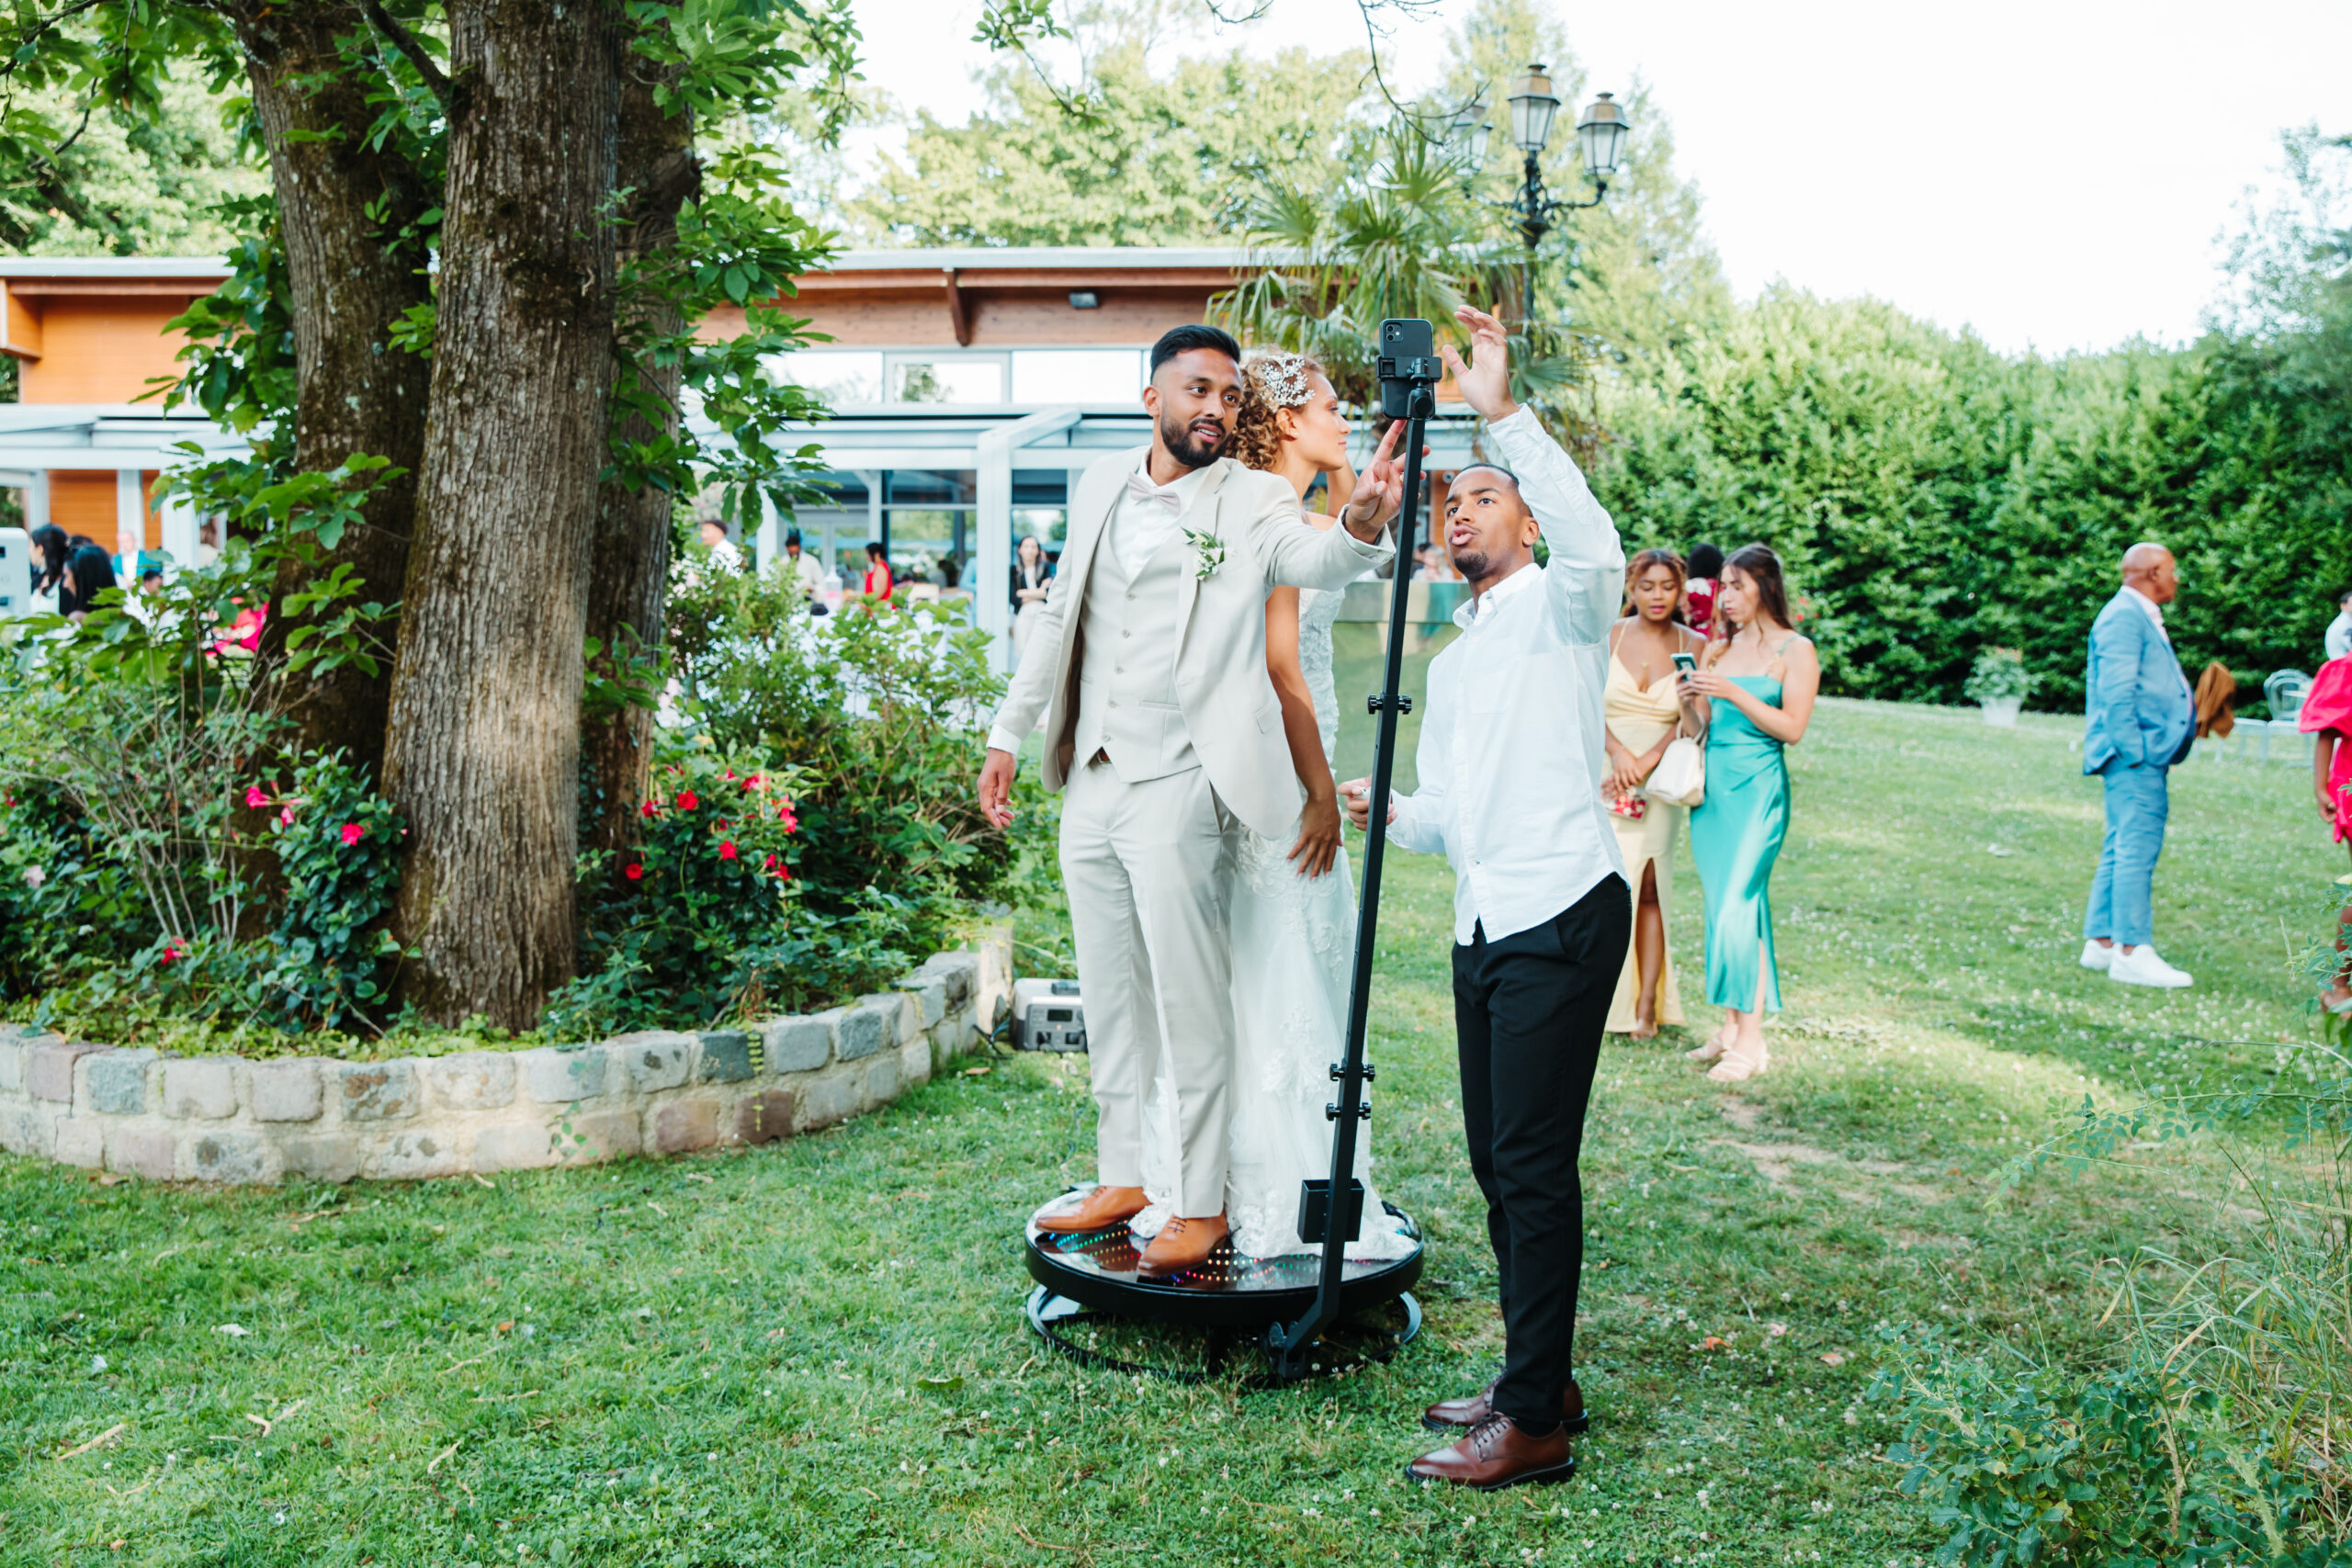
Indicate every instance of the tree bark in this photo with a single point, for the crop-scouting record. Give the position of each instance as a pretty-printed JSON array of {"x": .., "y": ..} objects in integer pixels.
[
  {"x": 630, "y": 568},
  {"x": 482, "y": 753},
  {"x": 353, "y": 276}
]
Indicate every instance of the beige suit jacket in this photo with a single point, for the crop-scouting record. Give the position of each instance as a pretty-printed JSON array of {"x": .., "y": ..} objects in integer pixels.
[{"x": 1220, "y": 657}]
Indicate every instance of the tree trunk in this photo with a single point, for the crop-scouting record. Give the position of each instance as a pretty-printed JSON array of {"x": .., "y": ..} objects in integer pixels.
[
  {"x": 482, "y": 754},
  {"x": 631, "y": 562},
  {"x": 354, "y": 274}
]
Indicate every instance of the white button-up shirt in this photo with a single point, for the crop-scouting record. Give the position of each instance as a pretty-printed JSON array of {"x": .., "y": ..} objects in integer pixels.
[
  {"x": 2154, "y": 611},
  {"x": 1512, "y": 754}
]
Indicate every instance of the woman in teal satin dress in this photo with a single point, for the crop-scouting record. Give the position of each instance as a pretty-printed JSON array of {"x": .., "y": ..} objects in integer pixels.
[{"x": 1759, "y": 679}]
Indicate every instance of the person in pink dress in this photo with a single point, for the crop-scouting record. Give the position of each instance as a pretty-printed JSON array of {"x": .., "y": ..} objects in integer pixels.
[{"x": 2327, "y": 713}]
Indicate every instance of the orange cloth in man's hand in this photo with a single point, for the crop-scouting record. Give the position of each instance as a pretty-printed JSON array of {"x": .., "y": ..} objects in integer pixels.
[{"x": 2217, "y": 693}]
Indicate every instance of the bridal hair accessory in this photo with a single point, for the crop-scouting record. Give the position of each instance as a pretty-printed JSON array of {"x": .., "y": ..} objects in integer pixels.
[
  {"x": 1209, "y": 549},
  {"x": 1282, "y": 379}
]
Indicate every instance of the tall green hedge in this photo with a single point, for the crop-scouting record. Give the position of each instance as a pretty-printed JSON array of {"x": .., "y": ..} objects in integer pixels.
[{"x": 1932, "y": 498}]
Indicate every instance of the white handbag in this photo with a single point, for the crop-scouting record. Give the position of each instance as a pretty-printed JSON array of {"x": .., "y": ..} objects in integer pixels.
[{"x": 1681, "y": 776}]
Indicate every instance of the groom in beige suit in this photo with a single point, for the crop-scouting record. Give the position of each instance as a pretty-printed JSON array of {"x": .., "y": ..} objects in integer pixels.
[{"x": 1162, "y": 728}]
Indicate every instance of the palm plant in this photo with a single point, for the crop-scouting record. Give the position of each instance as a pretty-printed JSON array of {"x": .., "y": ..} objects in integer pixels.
[{"x": 1402, "y": 237}]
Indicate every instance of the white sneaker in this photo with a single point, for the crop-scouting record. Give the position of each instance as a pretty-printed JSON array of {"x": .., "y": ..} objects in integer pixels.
[
  {"x": 2140, "y": 967},
  {"x": 2097, "y": 956}
]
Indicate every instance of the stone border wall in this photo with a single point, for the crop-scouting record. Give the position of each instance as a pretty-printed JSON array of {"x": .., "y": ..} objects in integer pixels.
[{"x": 656, "y": 1092}]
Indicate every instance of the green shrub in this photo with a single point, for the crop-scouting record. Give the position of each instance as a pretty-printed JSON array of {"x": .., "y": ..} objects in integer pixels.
[
  {"x": 2000, "y": 673},
  {"x": 2136, "y": 1468}
]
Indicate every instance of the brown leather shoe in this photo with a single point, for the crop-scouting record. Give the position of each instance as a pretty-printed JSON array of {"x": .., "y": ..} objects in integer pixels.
[
  {"x": 1182, "y": 1246},
  {"x": 1495, "y": 1454},
  {"x": 1103, "y": 1207},
  {"x": 1452, "y": 1413}
]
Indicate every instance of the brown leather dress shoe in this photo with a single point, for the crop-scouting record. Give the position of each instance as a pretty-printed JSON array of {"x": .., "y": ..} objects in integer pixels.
[
  {"x": 1103, "y": 1207},
  {"x": 1452, "y": 1413},
  {"x": 1182, "y": 1246},
  {"x": 1495, "y": 1454}
]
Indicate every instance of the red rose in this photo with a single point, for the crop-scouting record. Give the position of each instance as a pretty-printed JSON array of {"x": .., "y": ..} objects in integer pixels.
[
  {"x": 649, "y": 808},
  {"x": 686, "y": 801},
  {"x": 635, "y": 872}
]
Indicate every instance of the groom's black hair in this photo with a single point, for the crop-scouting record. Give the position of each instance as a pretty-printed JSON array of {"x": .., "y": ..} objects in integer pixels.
[{"x": 1184, "y": 340}]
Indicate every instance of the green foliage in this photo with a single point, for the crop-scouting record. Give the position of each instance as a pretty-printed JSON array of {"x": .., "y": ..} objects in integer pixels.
[
  {"x": 66, "y": 903},
  {"x": 879, "y": 704},
  {"x": 1999, "y": 674},
  {"x": 2131, "y": 1469},
  {"x": 336, "y": 844},
  {"x": 112, "y": 141},
  {"x": 1128, "y": 156}
]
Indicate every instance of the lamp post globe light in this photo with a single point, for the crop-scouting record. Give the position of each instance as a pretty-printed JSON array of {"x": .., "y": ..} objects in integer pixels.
[{"x": 1601, "y": 135}]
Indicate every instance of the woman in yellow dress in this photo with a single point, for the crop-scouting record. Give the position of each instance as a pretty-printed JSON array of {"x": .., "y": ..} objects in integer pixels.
[{"x": 1644, "y": 712}]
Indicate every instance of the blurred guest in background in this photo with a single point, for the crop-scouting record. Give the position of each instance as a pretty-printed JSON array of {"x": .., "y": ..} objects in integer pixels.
[
  {"x": 877, "y": 572},
  {"x": 2326, "y": 712},
  {"x": 89, "y": 571},
  {"x": 1759, "y": 679},
  {"x": 722, "y": 548},
  {"x": 1645, "y": 707},
  {"x": 49, "y": 546},
  {"x": 1032, "y": 578},
  {"x": 805, "y": 576},
  {"x": 1706, "y": 566},
  {"x": 2339, "y": 630},
  {"x": 2140, "y": 718}
]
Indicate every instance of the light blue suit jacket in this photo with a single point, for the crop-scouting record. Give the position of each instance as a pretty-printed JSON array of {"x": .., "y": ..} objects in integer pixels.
[{"x": 2137, "y": 706}]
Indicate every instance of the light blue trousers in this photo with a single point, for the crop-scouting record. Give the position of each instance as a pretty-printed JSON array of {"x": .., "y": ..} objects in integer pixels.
[{"x": 2122, "y": 893}]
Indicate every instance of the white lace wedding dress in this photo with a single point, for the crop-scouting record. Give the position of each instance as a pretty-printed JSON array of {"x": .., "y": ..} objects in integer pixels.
[{"x": 1294, "y": 949}]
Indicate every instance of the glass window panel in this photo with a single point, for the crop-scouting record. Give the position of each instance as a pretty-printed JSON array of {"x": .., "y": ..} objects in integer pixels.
[
  {"x": 840, "y": 375},
  {"x": 947, "y": 381},
  {"x": 1040, "y": 487},
  {"x": 1078, "y": 376},
  {"x": 930, "y": 486}
]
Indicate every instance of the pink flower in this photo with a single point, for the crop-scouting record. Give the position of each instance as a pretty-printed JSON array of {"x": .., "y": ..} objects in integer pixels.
[
  {"x": 286, "y": 816},
  {"x": 751, "y": 782},
  {"x": 686, "y": 801},
  {"x": 635, "y": 872},
  {"x": 35, "y": 876},
  {"x": 727, "y": 850},
  {"x": 352, "y": 833},
  {"x": 254, "y": 798},
  {"x": 172, "y": 951},
  {"x": 730, "y": 776},
  {"x": 785, "y": 816},
  {"x": 650, "y": 808}
]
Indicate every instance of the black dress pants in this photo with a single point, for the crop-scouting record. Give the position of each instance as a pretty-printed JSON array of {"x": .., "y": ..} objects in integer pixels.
[{"x": 1528, "y": 1012}]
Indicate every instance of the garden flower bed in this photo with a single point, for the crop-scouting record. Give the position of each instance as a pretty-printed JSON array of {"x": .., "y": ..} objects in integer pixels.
[{"x": 232, "y": 1119}]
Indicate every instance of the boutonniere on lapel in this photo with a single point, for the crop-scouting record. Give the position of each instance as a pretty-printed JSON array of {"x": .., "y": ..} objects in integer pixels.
[{"x": 1209, "y": 550}]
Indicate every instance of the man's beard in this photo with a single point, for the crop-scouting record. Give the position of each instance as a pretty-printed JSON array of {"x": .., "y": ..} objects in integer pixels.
[
  {"x": 1178, "y": 437},
  {"x": 1471, "y": 563}
]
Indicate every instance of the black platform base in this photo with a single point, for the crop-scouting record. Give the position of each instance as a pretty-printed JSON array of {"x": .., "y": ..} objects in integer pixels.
[{"x": 1092, "y": 1277}]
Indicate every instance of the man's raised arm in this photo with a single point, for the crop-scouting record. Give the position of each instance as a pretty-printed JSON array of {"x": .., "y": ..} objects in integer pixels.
[{"x": 1586, "y": 569}]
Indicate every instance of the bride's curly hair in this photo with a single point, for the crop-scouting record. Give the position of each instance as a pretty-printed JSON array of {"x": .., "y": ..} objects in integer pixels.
[{"x": 1270, "y": 383}]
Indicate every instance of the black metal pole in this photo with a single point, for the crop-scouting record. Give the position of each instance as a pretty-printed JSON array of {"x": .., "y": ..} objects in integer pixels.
[{"x": 1287, "y": 1345}]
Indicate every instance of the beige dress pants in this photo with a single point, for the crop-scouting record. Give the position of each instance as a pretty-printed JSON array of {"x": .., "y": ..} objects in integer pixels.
[{"x": 1148, "y": 870}]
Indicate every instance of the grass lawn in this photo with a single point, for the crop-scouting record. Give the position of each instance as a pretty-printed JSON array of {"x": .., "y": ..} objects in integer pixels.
[{"x": 812, "y": 1352}]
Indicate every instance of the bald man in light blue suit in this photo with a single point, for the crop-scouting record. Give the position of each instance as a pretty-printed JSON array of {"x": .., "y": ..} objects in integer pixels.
[{"x": 2140, "y": 719}]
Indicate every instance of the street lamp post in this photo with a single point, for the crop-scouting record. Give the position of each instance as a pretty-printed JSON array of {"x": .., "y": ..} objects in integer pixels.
[{"x": 1601, "y": 135}]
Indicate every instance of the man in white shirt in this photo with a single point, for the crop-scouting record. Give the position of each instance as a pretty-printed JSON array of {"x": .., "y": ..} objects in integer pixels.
[
  {"x": 2338, "y": 641},
  {"x": 1511, "y": 761},
  {"x": 804, "y": 572}
]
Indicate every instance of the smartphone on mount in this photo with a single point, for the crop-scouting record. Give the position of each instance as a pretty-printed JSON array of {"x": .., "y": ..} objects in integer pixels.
[{"x": 1407, "y": 357}]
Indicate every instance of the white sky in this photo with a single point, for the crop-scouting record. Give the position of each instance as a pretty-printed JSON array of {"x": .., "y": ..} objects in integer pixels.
[{"x": 2054, "y": 172}]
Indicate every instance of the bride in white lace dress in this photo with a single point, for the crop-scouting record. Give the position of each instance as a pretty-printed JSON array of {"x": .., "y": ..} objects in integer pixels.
[{"x": 1293, "y": 905}]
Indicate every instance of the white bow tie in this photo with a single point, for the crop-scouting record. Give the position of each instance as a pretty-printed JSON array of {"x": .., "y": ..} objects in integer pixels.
[{"x": 1142, "y": 488}]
